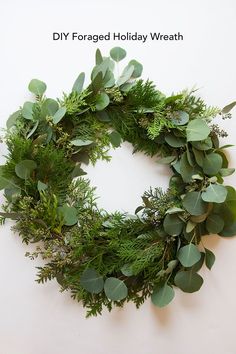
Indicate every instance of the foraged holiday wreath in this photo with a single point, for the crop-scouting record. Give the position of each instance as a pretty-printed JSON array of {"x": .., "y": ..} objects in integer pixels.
[{"x": 103, "y": 258}]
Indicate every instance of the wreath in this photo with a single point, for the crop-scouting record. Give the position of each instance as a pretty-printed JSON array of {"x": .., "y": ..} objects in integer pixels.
[{"x": 102, "y": 258}]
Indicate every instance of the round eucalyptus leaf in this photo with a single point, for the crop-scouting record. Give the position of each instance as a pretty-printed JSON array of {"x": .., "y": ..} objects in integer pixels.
[
  {"x": 69, "y": 214},
  {"x": 117, "y": 54},
  {"x": 115, "y": 289},
  {"x": 212, "y": 164},
  {"x": 162, "y": 296},
  {"x": 180, "y": 118},
  {"x": 197, "y": 130},
  {"x": 197, "y": 266},
  {"x": 188, "y": 255},
  {"x": 194, "y": 204},
  {"x": 214, "y": 224},
  {"x": 102, "y": 101},
  {"x": 173, "y": 225},
  {"x": 229, "y": 230},
  {"x": 24, "y": 168},
  {"x": 27, "y": 110},
  {"x": 188, "y": 281},
  {"x": 49, "y": 107},
  {"x": 127, "y": 270},
  {"x": 91, "y": 281},
  {"x": 126, "y": 75},
  {"x": 209, "y": 259},
  {"x": 174, "y": 141},
  {"x": 214, "y": 193},
  {"x": 115, "y": 139},
  {"x": 138, "y": 68},
  {"x": 37, "y": 87},
  {"x": 57, "y": 117}
]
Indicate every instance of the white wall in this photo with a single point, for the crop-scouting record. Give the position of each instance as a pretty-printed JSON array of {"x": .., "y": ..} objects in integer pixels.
[{"x": 36, "y": 319}]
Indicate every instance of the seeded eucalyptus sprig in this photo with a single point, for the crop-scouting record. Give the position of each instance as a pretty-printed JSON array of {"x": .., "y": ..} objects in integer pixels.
[{"x": 105, "y": 259}]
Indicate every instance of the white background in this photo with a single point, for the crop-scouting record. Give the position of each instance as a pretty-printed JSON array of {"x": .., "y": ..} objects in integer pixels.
[{"x": 37, "y": 319}]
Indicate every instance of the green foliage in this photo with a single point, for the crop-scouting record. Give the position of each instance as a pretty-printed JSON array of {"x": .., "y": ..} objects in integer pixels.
[{"x": 105, "y": 259}]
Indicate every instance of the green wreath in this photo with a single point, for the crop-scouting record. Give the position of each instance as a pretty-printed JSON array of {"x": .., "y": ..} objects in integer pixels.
[{"x": 103, "y": 258}]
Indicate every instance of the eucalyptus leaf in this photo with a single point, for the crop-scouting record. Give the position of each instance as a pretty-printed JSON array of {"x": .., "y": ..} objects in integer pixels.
[
  {"x": 13, "y": 119},
  {"x": 212, "y": 164},
  {"x": 102, "y": 101},
  {"x": 173, "y": 225},
  {"x": 79, "y": 142},
  {"x": 188, "y": 255},
  {"x": 174, "y": 210},
  {"x": 126, "y": 75},
  {"x": 197, "y": 266},
  {"x": 180, "y": 118},
  {"x": 186, "y": 170},
  {"x": 103, "y": 116},
  {"x": 229, "y": 230},
  {"x": 174, "y": 141},
  {"x": 224, "y": 172},
  {"x": 117, "y": 54},
  {"x": 199, "y": 156},
  {"x": 127, "y": 270},
  {"x": 41, "y": 186},
  {"x": 210, "y": 258},
  {"x": 214, "y": 224},
  {"x": 115, "y": 139},
  {"x": 194, "y": 204},
  {"x": 57, "y": 117},
  {"x": 99, "y": 57},
  {"x": 214, "y": 193},
  {"x": 203, "y": 145},
  {"x": 24, "y": 168},
  {"x": 115, "y": 289},
  {"x": 79, "y": 83},
  {"x": 166, "y": 160},
  {"x": 97, "y": 82},
  {"x": 109, "y": 79},
  {"x": 69, "y": 214},
  {"x": 49, "y": 107},
  {"x": 91, "y": 281},
  {"x": 78, "y": 171},
  {"x": 101, "y": 68},
  {"x": 162, "y": 296},
  {"x": 188, "y": 281},
  {"x": 228, "y": 108},
  {"x": 197, "y": 130},
  {"x": 138, "y": 68},
  {"x": 37, "y": 87},
  {"x": 28, "y": 110},
  {"x": 6, "y": 183},
  {"x": 190, "y": 226},
  {"x": 32, "y": 131}
]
